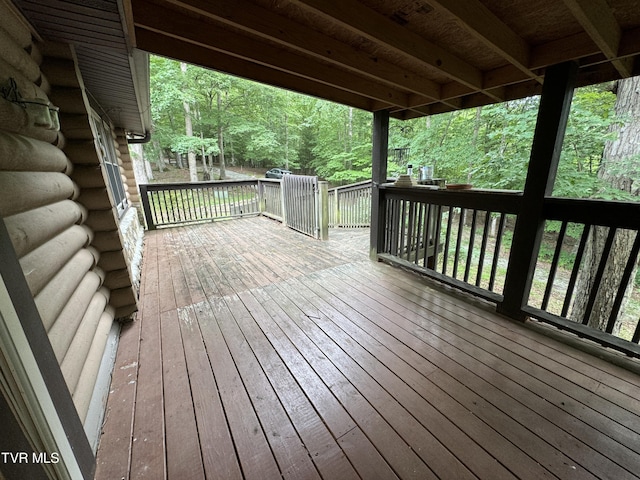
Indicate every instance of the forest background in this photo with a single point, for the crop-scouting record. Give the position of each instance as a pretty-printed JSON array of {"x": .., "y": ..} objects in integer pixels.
[
  {"x": 246, "y": 124},
  {"x": 206, "y": 121}
]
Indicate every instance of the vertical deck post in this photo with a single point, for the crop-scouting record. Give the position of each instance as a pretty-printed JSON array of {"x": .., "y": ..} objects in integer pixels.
[
  {"x": 551, "y": 124},
  {"x": 323, "y": 209},
  {"x": 146, "y": 206},
  {"x": 283, "y": 202},
  {"x": 378, "y": 176}
]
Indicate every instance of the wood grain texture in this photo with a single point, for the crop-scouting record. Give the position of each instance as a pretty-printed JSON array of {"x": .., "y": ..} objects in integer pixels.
[{"x": 275, "y": 355}]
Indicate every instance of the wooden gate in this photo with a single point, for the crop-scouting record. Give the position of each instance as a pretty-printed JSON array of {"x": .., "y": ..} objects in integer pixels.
[{"x": 301, "y": 205}]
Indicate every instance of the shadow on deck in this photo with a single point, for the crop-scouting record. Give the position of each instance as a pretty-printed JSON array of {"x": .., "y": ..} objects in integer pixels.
[{"x": 261, "y": 353}]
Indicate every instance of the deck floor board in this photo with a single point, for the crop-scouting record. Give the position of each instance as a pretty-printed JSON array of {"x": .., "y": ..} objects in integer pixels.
[{"x": 260, "y": 353}]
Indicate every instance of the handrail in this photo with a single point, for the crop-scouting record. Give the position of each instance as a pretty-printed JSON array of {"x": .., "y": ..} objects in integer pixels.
[
  {"x": 505, "y": 201},
  {"x": 446, "y": 235},
  {"x": 594, "y": 211},
  {"x": 188, "y": 202},
  {"x": 350, "y": 205},
  {"x": 452, "y": 236},
  {"x": 351, "y": 186}
]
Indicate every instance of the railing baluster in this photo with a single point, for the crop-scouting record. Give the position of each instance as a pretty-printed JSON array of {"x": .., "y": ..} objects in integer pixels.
[
  {"x": 636, "y": 334},
  {"x": 483, "y": 247},
  {"x": 472, "y": 241},
  {"x": 576, "y": 269},
  {"x": 168, "y": 207},
  {"x": 182, "y": 215},
  {"x": 427, "y": 234},
  {"x": 599, "y": 273},
  {"x": 458, "y": 242},
  {"x": 624, "y": 283},
  {"x": 447, "y": 241},
  {"x": 496, "y": 252},
  {"x": 554, "y": 266},
  {"x": 410, "y": 229},
  {"x": 422, "y": 210},
  {"x": 403, "y": 225},
  {"x": 436, "y": 235},
  {"x": 395, "y": 227}
]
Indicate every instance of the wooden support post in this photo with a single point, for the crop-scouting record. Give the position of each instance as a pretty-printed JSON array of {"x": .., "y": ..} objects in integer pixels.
[
  {"x": 323, "y": 209},
  {"x": 553, "y": 113},
  {"x": 283, "y": 202},
  {"x": 146, "y": 207},
  {"x": 378, "y": 176}
]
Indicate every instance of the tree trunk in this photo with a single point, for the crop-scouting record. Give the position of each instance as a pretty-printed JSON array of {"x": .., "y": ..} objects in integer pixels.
[
  {"x": 621, "y": 158},
  {"x": 160, "y": 161},
  {"x": 191, "y": 156},
  {"x": 223, "y": 171},
  {"x": 138, "y": 160},
  {"x": 179, "y": 162},
  {"x": 474, "y": 142}
]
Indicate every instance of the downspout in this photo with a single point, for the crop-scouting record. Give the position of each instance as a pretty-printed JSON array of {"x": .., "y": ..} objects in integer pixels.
[{"x": 145, "y": 139}]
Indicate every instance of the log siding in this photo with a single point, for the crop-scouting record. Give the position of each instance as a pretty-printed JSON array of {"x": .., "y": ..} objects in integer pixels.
[{"x": 56, "y": 205}]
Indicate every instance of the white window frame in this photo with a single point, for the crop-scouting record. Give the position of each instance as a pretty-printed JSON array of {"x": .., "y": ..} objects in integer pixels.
[{"x": 109, "y": 159}]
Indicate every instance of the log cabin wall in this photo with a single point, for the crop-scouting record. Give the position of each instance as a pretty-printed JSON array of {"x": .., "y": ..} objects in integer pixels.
[{"x": 57, "y": 205}]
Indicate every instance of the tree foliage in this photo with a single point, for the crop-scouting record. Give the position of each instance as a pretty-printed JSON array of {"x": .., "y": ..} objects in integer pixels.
[{"x": 261, "y": 126}]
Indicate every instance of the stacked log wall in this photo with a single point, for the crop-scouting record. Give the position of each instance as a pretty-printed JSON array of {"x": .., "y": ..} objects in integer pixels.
[{"x": 57, "y": 207}]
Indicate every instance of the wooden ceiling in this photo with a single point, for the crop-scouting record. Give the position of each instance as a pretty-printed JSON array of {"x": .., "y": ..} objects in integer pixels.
[
  {"x": 115, "y": 76},
  {"x": 413, "y": 57}
]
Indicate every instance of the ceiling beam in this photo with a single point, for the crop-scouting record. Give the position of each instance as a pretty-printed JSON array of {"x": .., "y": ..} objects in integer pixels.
[
  {"x": 265, "y": 23},
  {"x": 597, "y": 18},
  {"x": 374, "y": 26},
  {"x": 160, "y": 44},
  {"x": 489, "y": 29},
  {"x": 154, "y": 17}
]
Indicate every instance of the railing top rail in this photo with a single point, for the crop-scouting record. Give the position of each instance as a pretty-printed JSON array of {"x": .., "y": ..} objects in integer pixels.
[
  {"x": 505, "y": 201},
  {"x": 197, "y": 185},
  {"x": 352, "y": 186},
  {"x": 269, "y": 180},
  {"x": 593, "y": 212}
]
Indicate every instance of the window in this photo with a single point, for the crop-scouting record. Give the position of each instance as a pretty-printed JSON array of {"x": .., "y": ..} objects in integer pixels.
[{"x": 110, "y": 161}]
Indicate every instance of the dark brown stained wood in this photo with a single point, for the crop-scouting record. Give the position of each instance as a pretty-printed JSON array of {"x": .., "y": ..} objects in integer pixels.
[
  {"x": 505, "y": 452},
  {"x": 288, "y": 449},
  {"x": 402, "y": 458},
  {"x": 438, "y": 434},
  {"x": 183, "y": 453},
  {"x": 148, "y": 447},
  {"x": 114, "y": 456},
  {"x": 551, "y": 123},
  {"x": 328, "y": 458},
  {"x": 176, "y": 25},
  {"x": 360, "y": 369},
  {"x": 587, "y": 432},
  {"x": 252, "y": 448},
  {"x": 205, "y": 57},
  {"x": 331, "y": 464},
  {"x": 216, "y": 445}
]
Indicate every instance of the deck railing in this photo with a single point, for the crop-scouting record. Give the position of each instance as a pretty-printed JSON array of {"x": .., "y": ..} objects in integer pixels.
[
  {"x": 350, "y": 205},
  {"x": 450, "y": 236},
  {"x": 591, "y": 218},
  {"x": 458, "y": 238},
  {"x": 296, "y": 201},
  {"x": 179, "y": 203},
  {"x": 166, "y": 204},
  {"x": 270, "y": 192}
]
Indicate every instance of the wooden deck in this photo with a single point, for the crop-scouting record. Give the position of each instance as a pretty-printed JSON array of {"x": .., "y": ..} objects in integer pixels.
[{"x": 259, "y": 353}]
